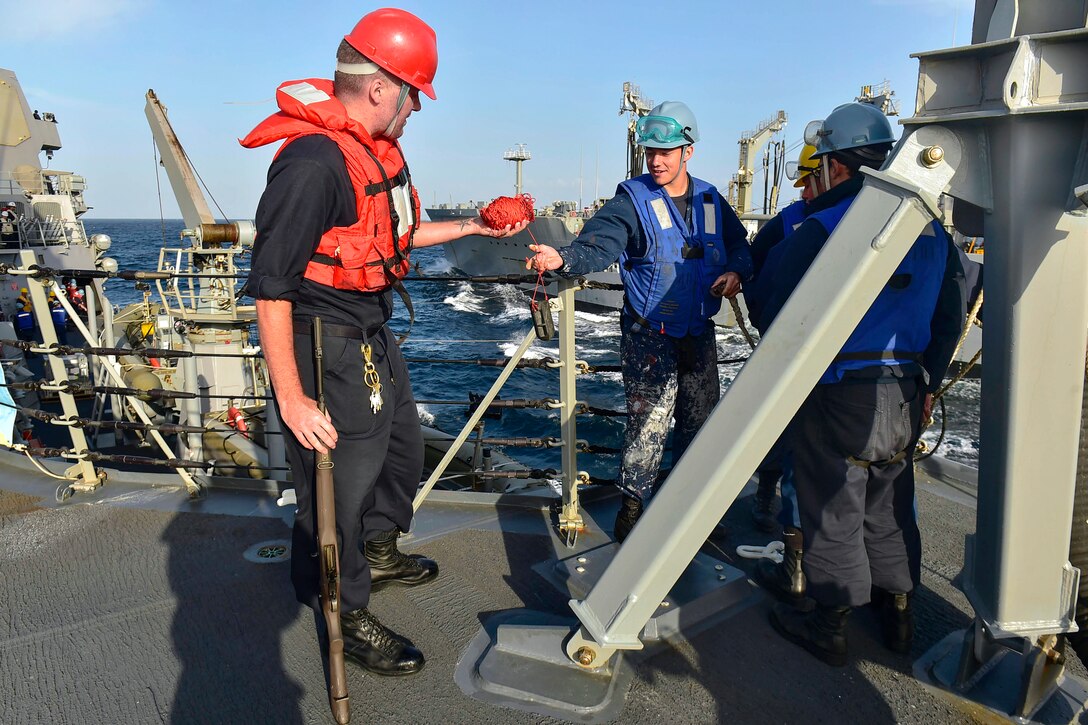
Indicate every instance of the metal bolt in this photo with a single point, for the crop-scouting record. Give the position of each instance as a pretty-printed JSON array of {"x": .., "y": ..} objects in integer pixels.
[
  {"x": 585, "y": 656},
  {"x": 579, "y": 569},
  {"x": 722, "y": 577},
  {"x": 718, "y": 567},
  {"x": 932, "y": 155},
  {"x": 665, "y": 603},
  {"x": 582, "y": 560}
]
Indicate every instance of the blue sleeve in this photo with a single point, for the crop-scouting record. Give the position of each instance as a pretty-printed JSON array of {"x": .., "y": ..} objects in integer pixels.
[
  {"x": 768, "y": 236},
  {"x": 603, "y": 238},
  {"x": 805, "y": 244},
  {"x": 737, "y": 253}
]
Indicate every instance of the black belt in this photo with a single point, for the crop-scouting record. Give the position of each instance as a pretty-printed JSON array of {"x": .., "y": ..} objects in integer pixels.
[{"x": 305, "y": 327}]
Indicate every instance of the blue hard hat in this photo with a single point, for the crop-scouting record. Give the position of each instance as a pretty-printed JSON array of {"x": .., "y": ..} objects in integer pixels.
[
  {"x": 850, "y": 126},
  {"x": 670, "y": 124}
]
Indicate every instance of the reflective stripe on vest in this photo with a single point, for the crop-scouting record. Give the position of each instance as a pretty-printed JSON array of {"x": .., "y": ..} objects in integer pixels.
[
  {"x": 668, "y": 288},
  {"x": 896, "y": 328},
  {"x": 792, "y": 216}
]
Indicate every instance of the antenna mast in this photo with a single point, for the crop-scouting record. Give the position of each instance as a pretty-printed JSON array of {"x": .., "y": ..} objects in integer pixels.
[{"x": 518, "y": 154}]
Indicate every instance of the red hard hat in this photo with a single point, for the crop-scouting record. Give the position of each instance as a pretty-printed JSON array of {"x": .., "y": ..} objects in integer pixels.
[{"x": 401, "y": 44}]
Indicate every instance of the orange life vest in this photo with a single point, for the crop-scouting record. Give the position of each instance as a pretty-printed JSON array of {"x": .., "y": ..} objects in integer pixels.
[{"x": 371, "y": 254}]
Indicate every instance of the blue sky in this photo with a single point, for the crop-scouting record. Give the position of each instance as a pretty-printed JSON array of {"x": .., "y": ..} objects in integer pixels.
[{"x": 549, "y": 75}]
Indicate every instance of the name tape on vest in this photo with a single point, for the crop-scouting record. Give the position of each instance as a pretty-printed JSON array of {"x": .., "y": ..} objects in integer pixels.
[
  {"x": 710, "y": 222},
  {"x": 661, "y": 210}
]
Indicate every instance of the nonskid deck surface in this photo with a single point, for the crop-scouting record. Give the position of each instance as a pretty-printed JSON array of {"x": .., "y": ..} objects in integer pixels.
[{"x": 144, "y": 608}]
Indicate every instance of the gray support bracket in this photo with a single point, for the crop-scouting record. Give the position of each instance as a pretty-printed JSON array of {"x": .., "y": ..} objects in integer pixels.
[{"x": 1012, "y": 678}]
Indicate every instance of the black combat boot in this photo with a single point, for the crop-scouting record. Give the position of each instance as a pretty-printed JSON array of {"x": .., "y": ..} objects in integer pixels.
[
  {"x": 371, "y": 645},
  {"x": 897, "y": 621},
  {"x": 822, "y": 631},
  {"x": 786, "y": 580},
  {"x": 630, "y": 511},
  {"x": 389, "y": 565},
  {"x": 763, "y": 503}
]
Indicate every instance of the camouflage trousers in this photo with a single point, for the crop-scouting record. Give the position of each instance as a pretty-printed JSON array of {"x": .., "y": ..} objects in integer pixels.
[{"x": 664, "y": 378}]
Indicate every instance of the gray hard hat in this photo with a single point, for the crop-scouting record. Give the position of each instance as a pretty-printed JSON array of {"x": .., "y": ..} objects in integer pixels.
[{"x": 850, "y": 126}]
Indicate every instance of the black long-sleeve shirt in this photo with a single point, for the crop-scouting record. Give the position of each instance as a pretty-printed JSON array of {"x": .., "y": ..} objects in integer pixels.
[{"x": 308, "y": 193}]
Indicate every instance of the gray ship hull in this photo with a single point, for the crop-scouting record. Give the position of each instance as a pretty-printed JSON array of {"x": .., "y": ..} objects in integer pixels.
[{"x": 479, "y": 256}]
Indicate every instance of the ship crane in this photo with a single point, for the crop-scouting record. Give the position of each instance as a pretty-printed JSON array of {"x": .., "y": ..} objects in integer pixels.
[
  {"x": 635, "y": 106},
  {"x": 740, "y": 186}
]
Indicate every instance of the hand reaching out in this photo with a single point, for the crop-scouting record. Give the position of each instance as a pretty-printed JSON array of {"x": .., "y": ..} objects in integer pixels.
[{"x": 545, "y": 259}]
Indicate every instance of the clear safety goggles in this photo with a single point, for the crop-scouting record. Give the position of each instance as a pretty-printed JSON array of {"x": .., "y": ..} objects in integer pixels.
[
  {"x": 662, "y": 129},
  {"x": 814, "y": 131},
  {"x": 796, "y": 170}
]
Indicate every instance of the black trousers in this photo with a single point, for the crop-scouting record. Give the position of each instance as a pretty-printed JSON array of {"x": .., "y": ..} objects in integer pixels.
[
  {"x": 853, "y": 446},
  {"x": 377, "y": 462}
]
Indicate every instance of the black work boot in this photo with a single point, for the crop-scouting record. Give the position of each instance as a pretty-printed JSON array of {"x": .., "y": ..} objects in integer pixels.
[
  {"x": 763, "y": 503},
  {"x": 630, "y": 510},
  {"x": 389, "y": 565},
  {"x": 822, "y": 631},
  {"x": 374, "y": 647},
  {"x": 897, "y": 622},
  {"x": 784, "y": 580}
]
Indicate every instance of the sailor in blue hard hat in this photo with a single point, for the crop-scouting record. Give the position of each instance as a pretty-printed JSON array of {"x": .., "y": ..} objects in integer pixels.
[
  {"x": 681, "y": 248},
  {"x": 853, "y": 438}
]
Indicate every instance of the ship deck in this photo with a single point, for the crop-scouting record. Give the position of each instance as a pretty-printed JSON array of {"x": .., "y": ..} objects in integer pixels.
[{"x": 135, "y": 605}]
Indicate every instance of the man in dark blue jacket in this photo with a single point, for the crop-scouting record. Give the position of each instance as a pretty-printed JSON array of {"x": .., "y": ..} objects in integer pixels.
[
  {"x": 681, "y": 249},
  {"x": 853, "y": 438}
]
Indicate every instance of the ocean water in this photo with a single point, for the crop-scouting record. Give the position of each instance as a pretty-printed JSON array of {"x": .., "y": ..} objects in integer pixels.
[{"x": 458, "y": 320}]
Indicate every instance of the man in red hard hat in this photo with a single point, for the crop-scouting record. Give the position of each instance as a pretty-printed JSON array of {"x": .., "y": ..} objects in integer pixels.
[{"x": 337, "y": 222}]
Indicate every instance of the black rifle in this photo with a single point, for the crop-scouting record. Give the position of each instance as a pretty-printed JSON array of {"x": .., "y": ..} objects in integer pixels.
[{"x": 329, "y": 555}]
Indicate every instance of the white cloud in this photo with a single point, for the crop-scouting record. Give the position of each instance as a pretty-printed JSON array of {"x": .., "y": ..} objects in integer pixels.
[{"x": 51, "y": 20}]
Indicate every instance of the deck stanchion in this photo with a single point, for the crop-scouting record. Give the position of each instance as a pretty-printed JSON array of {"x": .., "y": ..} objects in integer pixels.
[{"x": 455, "y": 445}]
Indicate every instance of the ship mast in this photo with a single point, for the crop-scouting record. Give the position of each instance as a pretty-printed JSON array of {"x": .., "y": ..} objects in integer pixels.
[
  {"x": 518, "y": 154},
  {"x": 882, "y": 96}
]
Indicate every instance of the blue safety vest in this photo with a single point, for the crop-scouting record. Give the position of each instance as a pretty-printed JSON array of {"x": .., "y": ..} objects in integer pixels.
[
  {"x": 24, "y": 320},
  {"x": 895, "y": 330},
  {"x": 668, "y": 288},
  {"x": 60, "y": 316},
  {"x": 792, "y": 216}
]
